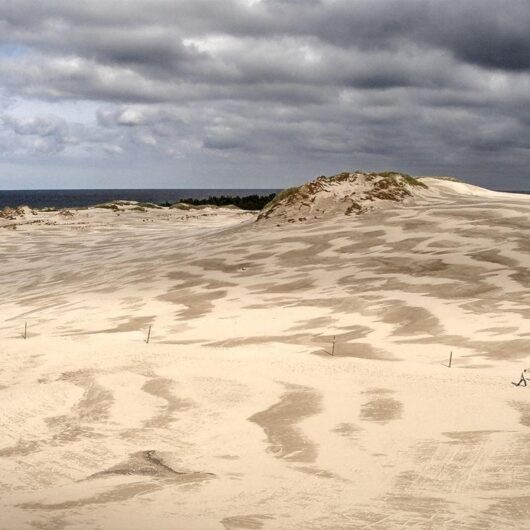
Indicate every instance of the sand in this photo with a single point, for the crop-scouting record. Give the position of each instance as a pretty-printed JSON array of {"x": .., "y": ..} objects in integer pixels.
[{"x": 235, "y": 415}]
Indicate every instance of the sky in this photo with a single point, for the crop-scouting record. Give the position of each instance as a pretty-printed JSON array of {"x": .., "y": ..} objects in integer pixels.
[{"x": 261, "y": 93}]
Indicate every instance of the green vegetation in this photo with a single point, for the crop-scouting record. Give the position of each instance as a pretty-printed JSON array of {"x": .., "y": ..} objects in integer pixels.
[
  {"x": 390, "y": 174},
  {"x": 287, "y": 192},
  {"x": 108, "y": 206},
  {"x": 148, "y": 205},
  {"x": 249, "y": 202},
  {"x": 450, "y": 179},
  {"x": 412, "y": 181}
]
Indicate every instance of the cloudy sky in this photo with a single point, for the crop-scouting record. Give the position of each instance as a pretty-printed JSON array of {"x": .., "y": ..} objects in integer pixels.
[{"x": 261, "y": 93}]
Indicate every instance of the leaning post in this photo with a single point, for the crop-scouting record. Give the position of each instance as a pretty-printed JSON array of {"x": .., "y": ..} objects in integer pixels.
[{"x": 148, "y": 334}]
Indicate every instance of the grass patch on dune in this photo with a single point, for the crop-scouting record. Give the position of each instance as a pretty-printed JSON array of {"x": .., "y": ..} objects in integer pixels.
[
  {"x": 287, "y": 192},
  {"x": 450, "y": 179},
  {"x": 107, "y": 206},
  {"x": 413, "y": 181},
  {"x": 395, "y": 175},
  {"x": 149, "y": 205}
]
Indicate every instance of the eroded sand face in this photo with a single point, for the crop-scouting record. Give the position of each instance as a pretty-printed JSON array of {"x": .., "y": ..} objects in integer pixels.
[{"x": 235, "y": 415}]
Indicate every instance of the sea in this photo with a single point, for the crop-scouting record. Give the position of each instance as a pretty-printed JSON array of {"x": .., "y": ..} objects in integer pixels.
[{"x": 81, "y": 198}]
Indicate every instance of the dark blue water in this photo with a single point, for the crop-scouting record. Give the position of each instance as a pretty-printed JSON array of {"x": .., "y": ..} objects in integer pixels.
[{"x": 79, "y": 198}]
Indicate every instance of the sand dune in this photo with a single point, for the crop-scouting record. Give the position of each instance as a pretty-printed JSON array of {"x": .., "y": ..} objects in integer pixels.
[{"x": 235, "y": 415}]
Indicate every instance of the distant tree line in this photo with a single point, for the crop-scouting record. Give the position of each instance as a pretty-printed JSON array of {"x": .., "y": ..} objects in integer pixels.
[{"x": 249, "y": 202}]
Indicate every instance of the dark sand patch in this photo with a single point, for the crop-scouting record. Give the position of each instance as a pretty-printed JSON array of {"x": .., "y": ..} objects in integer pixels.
[
  {"x": 132, "y": 324},
  {"x": 421, "y": 511},
  {"x": 162, "y": 388},
  {"x": 93, "y": 408},
  {"x": 346, "y": 304},
  {"x": 188, "y": 280},
  {"x": 378, "y": 391},
  {"x": 263, "y": 339},
  {"x": 279, "y": 422},
  {"x": 409, "y": 244},
  {"x": 359, "y": 350},
  {"x": 280, "y": 288},
  {"x": 197, "y": 304},
  {"x": 51, "y": 523},
  {"x": 348, "y": 430},
  {"x": 245, "y": 522},
  {"x": 409, "y": 320},
  {"x": 496, "y": 350},
  {"x": 317, "y": 472},
  {"x": 313, "y": 323},
  {"x": 416, "y": 267},
  {"x": 502, "y": 350},
  {"x": 381, "y": 408},
  {"x": 510, "y": 508},
  {"x": 308, "y": 256},
  {"x": 22, "y": 448},
  {"x": 259, "y": 256},
  {"x": 353, "y": 249},
  {"x": 354, "y": 333},
  {"x": 119, "y": 493},
  {"x": 468, "y": 437},
  {"x": 489, "y": 305},
  {"x": 494, "y": 256},
  {"x": 523, "y": 408},
  {"x": 522, "y": 276},
  {"x": 500, "y": 330},
  {"x": 443, "y": 243},
  {"x": 218, "y": 264}
]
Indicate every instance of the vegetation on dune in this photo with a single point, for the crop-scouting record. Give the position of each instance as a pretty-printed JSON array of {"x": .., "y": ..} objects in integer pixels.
[
  {"x": 366, "y": 190},
  {"x": 394, "y": 175},
  {"x": 287, "y": 192},
  {"x": 450, "y": 179},
  {"x": 148, "y": 205},
  {"x": 413, "y": 181},
  {"x": 276, "y": 200},
  {"x": 249, "y": 202},
  {"x": 108, "y": 206}
]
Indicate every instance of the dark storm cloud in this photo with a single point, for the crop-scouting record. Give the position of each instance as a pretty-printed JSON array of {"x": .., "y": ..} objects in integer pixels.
[{"x": 421, "y": 84}]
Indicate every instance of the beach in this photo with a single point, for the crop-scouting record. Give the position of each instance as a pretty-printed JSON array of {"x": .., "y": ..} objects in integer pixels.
[{"x": 197, "y": 369}]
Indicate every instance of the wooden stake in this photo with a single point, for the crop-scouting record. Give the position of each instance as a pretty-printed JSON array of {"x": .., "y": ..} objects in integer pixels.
[
  {"x": 333, "y": 349},
  {"x": 148, "y": 334},
  {"x": 25, "y": 330},
  {"x": 450, "y": 359}
]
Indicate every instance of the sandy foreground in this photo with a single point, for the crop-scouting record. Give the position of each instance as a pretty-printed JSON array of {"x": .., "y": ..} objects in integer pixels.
[{"x": 235, "y": 415}]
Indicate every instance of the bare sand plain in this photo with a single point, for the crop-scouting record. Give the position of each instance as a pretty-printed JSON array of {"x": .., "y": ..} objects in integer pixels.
[{"x": 235, "y": 416}]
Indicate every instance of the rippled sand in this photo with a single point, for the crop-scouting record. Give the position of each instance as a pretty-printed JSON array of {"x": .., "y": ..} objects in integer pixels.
[{"x": 235, "y": 415}]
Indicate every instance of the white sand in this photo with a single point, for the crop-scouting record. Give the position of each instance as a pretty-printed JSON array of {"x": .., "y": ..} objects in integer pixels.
[{"x": 234, "y": 416}]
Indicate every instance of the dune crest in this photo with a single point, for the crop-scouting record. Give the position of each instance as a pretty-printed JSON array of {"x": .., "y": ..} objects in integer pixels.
[{"x": 345, "y": 193}]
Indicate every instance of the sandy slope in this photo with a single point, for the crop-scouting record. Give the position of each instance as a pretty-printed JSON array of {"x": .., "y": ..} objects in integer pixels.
[{"x": 234, "y": 416}]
